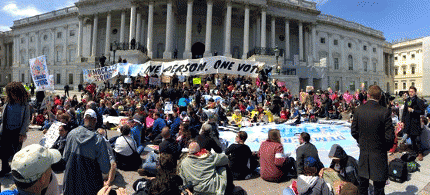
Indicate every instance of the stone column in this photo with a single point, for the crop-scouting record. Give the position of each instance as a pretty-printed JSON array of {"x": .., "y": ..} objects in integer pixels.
[
  {"x": 132, "y": 24},
  {"x": 80, "y": 37},
  {"x": 6, "y": 54},
  {"x": 143, "y": 32},
  {"x": 273, "y": 33},
  {"x": 227, "y": 40},
  {"x": 150, "y": 30},
  {"x": 95, "y": 29},
  {"x": 258, "y": 41},
  {"x": 169, "y": 31},
  {"x": 246, "y": 33},
  {"x": 53, "y": 53},
  {"x": 122, "y": 28},
  {"x": 314, "y": 42},
  {"x": 66, "y": 29},
  {"x": 287, "y": 39},
  {"x": 138, "y": 29},
  {"x": 263, "y": 28},
  {"x": 28, "y": 49},
  {"x": 108, "y": 24},
  {"x": 208, "y": 41},
  {"x": 300, "y": 41},
  {"x": 187, "y": 53}
]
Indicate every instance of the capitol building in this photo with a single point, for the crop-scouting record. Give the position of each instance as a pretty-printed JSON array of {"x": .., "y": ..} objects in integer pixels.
[{"x": 304, "y": 46}]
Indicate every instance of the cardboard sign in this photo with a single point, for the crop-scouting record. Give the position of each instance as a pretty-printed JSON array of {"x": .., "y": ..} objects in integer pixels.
[
  {"x": 197, "y": 81},
  {"x": 39, "y": 72},
  {"x": 52, "y": 135}
]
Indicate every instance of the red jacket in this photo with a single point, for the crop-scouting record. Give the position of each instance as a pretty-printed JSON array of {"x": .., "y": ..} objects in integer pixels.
[{"x": 270, "y": 167}]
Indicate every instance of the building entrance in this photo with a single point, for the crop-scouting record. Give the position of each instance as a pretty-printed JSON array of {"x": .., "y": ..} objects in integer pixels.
[{"x": 197, "y": 50}]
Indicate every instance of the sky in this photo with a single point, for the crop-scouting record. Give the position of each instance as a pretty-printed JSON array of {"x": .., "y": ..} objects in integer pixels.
[{"x": 397, "y": 19}]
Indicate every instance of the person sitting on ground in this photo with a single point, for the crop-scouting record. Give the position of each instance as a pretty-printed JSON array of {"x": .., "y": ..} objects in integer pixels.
[
  {"x": 305, "y": 150},
  {"x": 32, "y": 173},
  {"x": 296, "y": 115},
  {"x": 168, "y": 146},
  {"x": 239, "y": 155},
  {"x": 236, "y": 118},
  {"x": 124, "y": 148},
  {"x": 158, "y": 125},
  {"x": 207, "y": 172},
  {"x": 284, "y": 115},
  {"x": 206, "y": 141},
  {"x": 309, "y": 182},
  {"x": 183, "y": 136},
  {"x": 274, "y": 166}
]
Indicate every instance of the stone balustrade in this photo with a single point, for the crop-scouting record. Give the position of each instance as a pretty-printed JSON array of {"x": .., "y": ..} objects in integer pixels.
[
  {"x": 342, "y": 22},
  {"x": 45, "y": 16}
]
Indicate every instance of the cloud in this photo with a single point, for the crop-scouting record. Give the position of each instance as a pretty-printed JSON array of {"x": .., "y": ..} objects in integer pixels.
[
  {"x": 15, "y": 11},
  {"x": 4, "y": 28},
  {"x": 67, "y": 3}
]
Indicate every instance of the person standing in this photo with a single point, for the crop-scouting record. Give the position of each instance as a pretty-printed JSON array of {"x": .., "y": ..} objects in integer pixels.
[
  {"x": 373, "y": 129},
  {"x": 102, "y": 60},
  {"x": 15, "y": 122},
  {"x": 66, "y": 90},
  {"x": 86, "y": 156},
  {"x": 412, "y": 111}
]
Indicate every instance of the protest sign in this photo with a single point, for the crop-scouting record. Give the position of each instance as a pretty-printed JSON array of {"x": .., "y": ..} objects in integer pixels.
[
  {"x": 168, "y": 108},
  {"x": 165, "y": 79},
  {"x": 197, "y": 81},
  {"x": 52, "y": 135},
  {"x": 99, "y": 74},
  {"x": 154, "y": 81},
  {"x": 39, "y": 72}
]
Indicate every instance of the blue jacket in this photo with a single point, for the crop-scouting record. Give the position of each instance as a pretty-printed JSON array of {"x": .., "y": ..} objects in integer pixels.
[
  {"x": 136, "y": 133},
  {"x": 158, "y": 126},
  {"x": 174, "y": 128}
]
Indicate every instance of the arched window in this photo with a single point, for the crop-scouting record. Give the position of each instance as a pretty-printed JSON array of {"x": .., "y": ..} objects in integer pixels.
[{"x": 350, "y": 63}]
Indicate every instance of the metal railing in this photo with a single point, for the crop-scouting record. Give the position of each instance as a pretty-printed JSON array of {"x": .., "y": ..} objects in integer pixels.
[
  {"x": 126, "y": 46},
  {"x": 265, "y": 51}
]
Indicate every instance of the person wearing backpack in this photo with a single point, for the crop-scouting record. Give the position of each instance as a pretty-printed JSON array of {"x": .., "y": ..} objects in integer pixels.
[
  {"x": 310, "y": 183},
  {"x": 373, "y": 129}
]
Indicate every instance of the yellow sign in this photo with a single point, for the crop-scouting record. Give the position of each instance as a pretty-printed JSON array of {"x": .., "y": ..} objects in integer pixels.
[{"x": 197, "y": 81}]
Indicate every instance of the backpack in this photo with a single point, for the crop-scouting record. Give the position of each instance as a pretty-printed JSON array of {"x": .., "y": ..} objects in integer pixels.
[{"x": 397, "y": 170}]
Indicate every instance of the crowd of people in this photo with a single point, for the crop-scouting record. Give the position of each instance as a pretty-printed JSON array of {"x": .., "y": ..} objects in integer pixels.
[{"x": 183, "y": 120}]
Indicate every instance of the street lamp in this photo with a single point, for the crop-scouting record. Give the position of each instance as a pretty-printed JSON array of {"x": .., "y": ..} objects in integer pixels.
[{"x": 278, "y": 68}]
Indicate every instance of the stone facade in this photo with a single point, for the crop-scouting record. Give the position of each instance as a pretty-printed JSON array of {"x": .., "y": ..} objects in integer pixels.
[
  {"x": 411, "y": 65},
  {"x": 316, "y": 49}
]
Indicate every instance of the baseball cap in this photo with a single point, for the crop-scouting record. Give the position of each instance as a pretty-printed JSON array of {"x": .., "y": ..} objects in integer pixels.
[
  {"x": 32, "y": 162},
  {"x": 91, "y": 113}
]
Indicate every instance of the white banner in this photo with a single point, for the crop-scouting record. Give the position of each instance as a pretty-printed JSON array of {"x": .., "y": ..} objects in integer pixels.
[{"x": 191, "y": 67}]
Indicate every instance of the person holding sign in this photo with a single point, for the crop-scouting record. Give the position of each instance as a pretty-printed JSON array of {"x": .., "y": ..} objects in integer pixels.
[{"x": 16, "y": 119}]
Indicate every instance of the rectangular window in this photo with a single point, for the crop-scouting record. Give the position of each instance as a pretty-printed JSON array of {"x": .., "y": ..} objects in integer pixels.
[
  {"x": 396, "y": 86},
  {"x": 396, "y": 71},
  {"x": 335, "y": 42},
  {"x": 374, "y": 66},
  {"x": 22, "y": 78},
  {"x": 365, "y": 48},
  {"x": 413, "y": 83},
  {"x": 323, "y": 40},
  {"x": 404, "y": 57},
  {"x": 352, "y": 86},
  {"x": 72, "y": 33},
  {"x": 349, "y": 45},
  {"x": 58, "y": 55},
  {"x": 413, "y": 70},
  {"x": 365, "y": 66},
  {"x": 22, "y": 40},
  {"x": 31, "y": 39},
  {"x": 395, "y": 58},
  {"x": 404, "y": 70},
  {"x": 58, "y": 81},
  {"x": 336, "y": 63},
  {"x": 70, "y": 79},
  {"x": 337, "y": 85},
  {"x": 413, "y": 56},
  {"x": 365, "y": 84},
  {"x": 59, "y": 35},
  {"x": 404, "y": 86},
  {"x": 374, "y": 50}
]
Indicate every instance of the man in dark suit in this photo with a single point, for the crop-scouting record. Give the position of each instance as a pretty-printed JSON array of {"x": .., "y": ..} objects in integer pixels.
[
  {"x": 305, "y": 150},
  {"x": 373, "y": 129},
  {"x": 411, "y": 118}
]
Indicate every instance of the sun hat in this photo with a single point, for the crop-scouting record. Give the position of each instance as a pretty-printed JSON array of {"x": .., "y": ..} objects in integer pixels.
[{"x": 32, "y": 162}]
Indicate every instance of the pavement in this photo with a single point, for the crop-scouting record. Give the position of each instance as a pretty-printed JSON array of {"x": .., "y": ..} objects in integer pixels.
[{"x": 417, "y": 183}]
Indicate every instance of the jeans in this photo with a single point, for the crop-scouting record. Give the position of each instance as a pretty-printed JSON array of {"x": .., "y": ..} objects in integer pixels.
[
  {"x": 150, "y": 164},
  {"x": 364, "y": 186}
]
